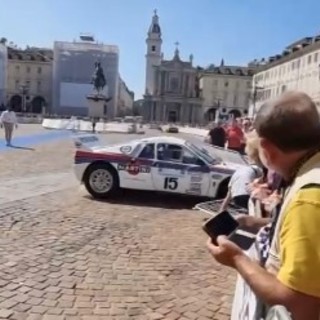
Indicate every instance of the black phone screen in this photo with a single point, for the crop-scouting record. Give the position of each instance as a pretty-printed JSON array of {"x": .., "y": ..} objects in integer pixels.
[
  {"x": 223, "y": 224},
  {"x": 244, "y": 242}
]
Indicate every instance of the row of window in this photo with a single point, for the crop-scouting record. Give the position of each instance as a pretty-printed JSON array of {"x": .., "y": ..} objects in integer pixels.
[
  {"x": 235, "y": 97},
  {"x": 290, "y": 66},
  {"x": 227, "y": 84},
  {"x": 27, "y": 84},
  {"x": 269, "y": 93},
  {"x": 28, "y": 69}
]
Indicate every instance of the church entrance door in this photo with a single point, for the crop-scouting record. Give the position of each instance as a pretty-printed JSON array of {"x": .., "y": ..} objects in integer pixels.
[{"x": 172, "y": 116}]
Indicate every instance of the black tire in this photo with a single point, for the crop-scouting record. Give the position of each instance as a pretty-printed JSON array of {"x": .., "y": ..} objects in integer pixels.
[
  {"x": 223, "y": 189},
  {"x": 110, "y": 173}
]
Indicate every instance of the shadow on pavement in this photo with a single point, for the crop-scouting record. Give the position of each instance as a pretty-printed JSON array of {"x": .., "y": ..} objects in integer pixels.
[
  {"x": 22, "y": 148},
  {"x": 154, "y": 199}
]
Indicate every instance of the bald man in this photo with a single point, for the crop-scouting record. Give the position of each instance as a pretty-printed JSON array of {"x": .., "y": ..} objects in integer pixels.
[{"x": 289, "y": 132}]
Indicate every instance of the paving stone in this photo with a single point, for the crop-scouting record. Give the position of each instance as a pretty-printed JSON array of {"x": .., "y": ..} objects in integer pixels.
[
  {"x": 5, "y": 313},
  {"x": 62, "y": 254}
]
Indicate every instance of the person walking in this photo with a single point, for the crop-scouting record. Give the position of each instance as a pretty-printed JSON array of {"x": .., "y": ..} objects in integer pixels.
[
  {"x": 288, "y": 282},
  {"x": 217, "y": 135},
  {"x": 235, "y": 137},
  {"x": 8, "y": 120}
]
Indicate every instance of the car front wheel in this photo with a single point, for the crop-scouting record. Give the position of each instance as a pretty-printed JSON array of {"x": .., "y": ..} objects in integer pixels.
[{"x": 101, "y": 181}]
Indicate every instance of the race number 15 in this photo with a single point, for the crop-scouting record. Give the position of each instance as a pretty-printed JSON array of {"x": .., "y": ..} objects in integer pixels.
[{"x": 170, "y": 183}]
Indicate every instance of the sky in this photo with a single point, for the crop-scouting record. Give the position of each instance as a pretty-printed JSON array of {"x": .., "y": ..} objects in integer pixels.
[{"x": 236, "y": 30}]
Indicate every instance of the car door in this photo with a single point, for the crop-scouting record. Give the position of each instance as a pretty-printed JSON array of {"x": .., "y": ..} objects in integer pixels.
[
  {"x": 136, "y": 174},
  {"x": 198, "y": 174},
  {"x": 177, "y": 169}
]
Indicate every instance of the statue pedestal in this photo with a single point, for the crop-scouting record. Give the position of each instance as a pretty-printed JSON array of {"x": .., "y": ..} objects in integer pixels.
[{"x": 97, "y": 105}]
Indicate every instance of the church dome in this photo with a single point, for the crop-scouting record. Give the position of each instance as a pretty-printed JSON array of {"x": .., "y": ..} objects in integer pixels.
[{"x": 155, "y": 26}]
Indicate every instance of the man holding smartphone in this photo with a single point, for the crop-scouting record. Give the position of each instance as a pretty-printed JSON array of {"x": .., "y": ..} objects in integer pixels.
[{"x": 289, "y": 132}]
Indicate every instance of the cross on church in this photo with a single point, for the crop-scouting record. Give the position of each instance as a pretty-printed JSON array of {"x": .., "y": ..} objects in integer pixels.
[{"x": 155, "y": 11}]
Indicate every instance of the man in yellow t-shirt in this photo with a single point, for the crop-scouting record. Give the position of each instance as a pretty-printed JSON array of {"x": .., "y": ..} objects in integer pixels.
[
  {"x": 289, "y": 132},
  {"x": 300, "y": 243}
]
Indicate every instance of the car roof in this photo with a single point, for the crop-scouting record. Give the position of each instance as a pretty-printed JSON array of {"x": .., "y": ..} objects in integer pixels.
[{"x": 163, "y": 139}]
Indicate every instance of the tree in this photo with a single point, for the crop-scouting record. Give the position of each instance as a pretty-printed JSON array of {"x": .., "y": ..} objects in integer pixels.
[{"x": 3, "y": 40}]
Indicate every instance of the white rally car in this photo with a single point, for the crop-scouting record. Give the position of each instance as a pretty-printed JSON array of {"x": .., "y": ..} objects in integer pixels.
[{"x": 162, "y": 163}]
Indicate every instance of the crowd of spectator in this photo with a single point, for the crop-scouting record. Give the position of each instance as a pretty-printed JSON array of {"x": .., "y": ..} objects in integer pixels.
[
  {"x": 283, "y": 206},
  {"x": 230, "y": 134}
]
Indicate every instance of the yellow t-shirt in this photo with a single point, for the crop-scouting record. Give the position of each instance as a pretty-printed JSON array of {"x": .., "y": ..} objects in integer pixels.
[{"x": 300, "y": 243}]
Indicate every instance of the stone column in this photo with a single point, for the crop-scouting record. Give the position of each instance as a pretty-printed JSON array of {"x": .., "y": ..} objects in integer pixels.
[
  {"x": 167, "y": 82},
  {"x": 164, "y": 113},
  {"x": 195, "y": 114},
  {"x": 150, "y": 107},
  {"x": 182, "y": 82},
  {"x": 181, "y": 112},
  {"x": 159, "y": 111},
  {"x": 191, "y": 113}
]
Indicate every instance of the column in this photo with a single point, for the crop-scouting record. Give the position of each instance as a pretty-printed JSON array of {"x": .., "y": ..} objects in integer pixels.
[
  {"x": 159, "y": 111},
  {"x": 195, "y": 115},
  {"x": 150, "y": 111},
  {"x": 164, "y": 112},
  {"x": 182, "y": 82},
  {"x": 180, "y": 112},
  {"x": 167, "y": 82},
  {"x": 191, "y": 120}
]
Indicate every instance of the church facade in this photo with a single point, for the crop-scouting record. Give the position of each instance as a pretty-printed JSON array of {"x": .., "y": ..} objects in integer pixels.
[{"x": 172, "y": 92}]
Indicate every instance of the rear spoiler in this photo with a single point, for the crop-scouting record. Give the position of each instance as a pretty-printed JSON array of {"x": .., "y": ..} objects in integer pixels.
[{"x": 86, "y": 141}]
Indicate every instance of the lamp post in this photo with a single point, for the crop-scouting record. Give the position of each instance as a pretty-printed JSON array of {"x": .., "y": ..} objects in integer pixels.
[{"x": 24, "y": 89}]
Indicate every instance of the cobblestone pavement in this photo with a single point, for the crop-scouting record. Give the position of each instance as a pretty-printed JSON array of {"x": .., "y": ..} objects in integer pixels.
[{"x": 65, "y": 256}]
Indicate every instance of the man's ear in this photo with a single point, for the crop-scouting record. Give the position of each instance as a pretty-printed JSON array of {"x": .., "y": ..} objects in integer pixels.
[{"x": 270, "y": 148}]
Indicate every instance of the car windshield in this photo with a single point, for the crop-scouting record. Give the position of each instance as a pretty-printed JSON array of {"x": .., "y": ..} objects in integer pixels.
[{"x": 202, "y": 152}]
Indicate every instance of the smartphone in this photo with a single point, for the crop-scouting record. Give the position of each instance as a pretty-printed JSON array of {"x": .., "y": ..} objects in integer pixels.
[
  {"x": 223, "y": 224},
  {"x": 243, "y": 239}
]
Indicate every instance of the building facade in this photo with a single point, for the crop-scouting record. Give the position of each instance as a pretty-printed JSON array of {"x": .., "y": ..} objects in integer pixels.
[
  {"x": 29, "y": 79},
  {"x": 3, "y": 74},
  {"x": 73, "y": 67},
  {"x": 172, "y": 88},
  {"x": 125, "y": 99},
  {"x": 296, "y": 68},
  {"x": 225, "y": 91}
]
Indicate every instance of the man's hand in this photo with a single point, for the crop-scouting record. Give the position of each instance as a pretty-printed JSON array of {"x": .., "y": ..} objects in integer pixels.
[
  {"x": 251, "y": 222},
  {"x": 272, "y": 201},
  {"x": 225, "y": 252},
  {"x": 245, "y": 220},
  {"x": 260, "y": 192}
]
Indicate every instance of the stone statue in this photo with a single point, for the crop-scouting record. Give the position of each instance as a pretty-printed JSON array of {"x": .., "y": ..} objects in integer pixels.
[{"x": 98, "y": 78}]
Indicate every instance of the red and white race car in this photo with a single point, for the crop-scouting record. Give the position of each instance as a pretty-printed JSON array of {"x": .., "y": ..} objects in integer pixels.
[{"x": 162, "y": 163}]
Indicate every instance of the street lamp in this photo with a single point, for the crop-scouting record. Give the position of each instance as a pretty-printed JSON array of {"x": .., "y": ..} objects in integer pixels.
[{"x": 24, "y": 89}]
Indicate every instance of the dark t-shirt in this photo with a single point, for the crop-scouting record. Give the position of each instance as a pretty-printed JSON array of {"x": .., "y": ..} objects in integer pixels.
[{"x": 218, "y": 137}]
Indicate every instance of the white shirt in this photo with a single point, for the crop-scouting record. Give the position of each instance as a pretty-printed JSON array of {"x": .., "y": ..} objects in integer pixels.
[
  {"x": 8, "y": 116},
  {"x": 241, "y": 178}
]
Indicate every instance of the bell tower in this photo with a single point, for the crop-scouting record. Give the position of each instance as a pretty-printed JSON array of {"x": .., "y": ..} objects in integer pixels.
[{"x": 153, "y": 55}]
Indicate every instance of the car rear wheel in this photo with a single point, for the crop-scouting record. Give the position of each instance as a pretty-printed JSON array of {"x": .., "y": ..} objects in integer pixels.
[{"x": 101, "y": 181}]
